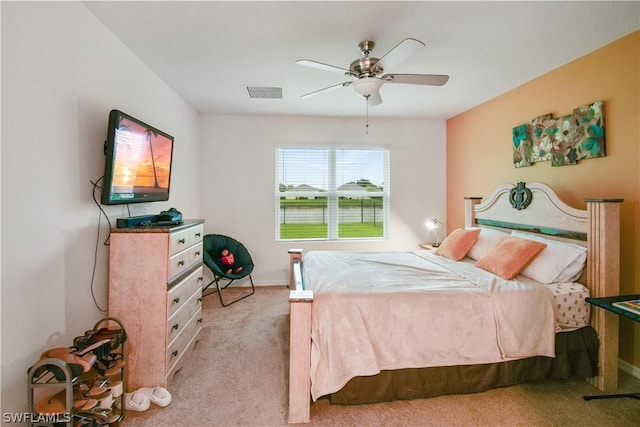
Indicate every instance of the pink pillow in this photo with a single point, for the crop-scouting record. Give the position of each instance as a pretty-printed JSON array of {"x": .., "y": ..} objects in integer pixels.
[
  {"x": 510, "y": 256},
  {"x": 458, "y": 243}
]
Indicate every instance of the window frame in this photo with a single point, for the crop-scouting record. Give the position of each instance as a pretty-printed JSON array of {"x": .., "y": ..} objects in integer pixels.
[{"x": 332, "y": 194}]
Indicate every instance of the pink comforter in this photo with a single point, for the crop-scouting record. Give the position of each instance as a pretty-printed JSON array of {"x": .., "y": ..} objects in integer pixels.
[{"x": 376, "y": 311}]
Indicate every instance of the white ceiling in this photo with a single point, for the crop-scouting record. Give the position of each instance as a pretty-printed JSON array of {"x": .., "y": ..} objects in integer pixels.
[{"x": 209, "y": 51}]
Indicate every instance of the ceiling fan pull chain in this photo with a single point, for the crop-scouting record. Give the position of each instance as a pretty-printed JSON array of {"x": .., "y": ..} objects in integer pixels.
[{"x": 366, "y": 128}]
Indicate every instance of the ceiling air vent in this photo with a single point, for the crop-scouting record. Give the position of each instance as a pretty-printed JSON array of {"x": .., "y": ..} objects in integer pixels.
[{"x": 264, "y": 92}]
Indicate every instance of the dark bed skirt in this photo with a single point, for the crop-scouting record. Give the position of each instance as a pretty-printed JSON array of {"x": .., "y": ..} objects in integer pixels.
[{"x": 576, "y": 355}]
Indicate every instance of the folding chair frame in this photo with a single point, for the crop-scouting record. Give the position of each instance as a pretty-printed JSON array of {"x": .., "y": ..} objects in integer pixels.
[{"x": 220, "y": 285}]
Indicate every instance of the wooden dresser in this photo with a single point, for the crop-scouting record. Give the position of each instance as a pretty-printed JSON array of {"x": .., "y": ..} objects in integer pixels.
[{"x": 155, "y": 289}]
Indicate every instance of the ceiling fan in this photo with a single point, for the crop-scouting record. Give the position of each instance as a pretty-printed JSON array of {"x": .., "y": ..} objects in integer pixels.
[{"x": 367, "y": 72}]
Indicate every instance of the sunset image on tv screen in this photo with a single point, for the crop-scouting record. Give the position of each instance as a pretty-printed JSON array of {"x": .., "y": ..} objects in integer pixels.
[{"x": 142, "y": 159}]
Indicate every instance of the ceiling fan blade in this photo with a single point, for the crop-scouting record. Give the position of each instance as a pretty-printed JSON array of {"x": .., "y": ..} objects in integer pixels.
[
  {"x": 322, "y": 66},
  {"x": 417, "y": 79},
  {"x": 399, "y": 53},
  {"x": 315, "y": 92},
  {"x": 375, "y": 99}
]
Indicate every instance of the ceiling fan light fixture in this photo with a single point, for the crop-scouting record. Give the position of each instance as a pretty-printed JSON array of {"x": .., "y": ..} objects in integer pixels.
[{"x": 367, "y": 86}]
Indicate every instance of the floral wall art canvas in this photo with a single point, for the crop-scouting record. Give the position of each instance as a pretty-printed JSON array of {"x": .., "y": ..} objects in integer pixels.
[{"x": 563, "y": 141}]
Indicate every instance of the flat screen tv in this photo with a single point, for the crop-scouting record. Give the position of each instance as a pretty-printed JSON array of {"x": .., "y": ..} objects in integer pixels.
[{"x": 138, "y": 161}]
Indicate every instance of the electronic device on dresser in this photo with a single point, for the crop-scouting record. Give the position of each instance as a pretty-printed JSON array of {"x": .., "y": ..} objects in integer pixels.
[
  {"x": 138, "y": 161},
  {"x": 169, "y": 217}
]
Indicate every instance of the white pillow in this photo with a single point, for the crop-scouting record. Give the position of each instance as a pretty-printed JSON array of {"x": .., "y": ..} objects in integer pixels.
[
  {"x": 558, "y": 262},
  {"x": 487, "y": 239}
]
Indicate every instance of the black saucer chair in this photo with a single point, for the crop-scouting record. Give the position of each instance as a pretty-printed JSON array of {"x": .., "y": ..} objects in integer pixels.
[{"x": 213, "y": 245}]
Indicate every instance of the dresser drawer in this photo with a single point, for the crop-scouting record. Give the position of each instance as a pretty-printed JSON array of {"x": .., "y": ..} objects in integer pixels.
[
  {"x": 195, "y": 253},
  {"x": 178, "y": 321},
  {"x": 182, "y": 360},
  {"x": 179, "y": 263},
  {"x": 179, "y": 345},
  {"x": 196, "y": 233},
  {"x": 185, "y": 259},
  {"x": 180, "y": 293},
  {"x": 180, "y": 240}
]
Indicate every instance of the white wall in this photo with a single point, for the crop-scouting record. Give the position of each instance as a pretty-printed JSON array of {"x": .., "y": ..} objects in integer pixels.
[
  {"x": 62, "y": 72},
  {"x": 238, "y": 175}
]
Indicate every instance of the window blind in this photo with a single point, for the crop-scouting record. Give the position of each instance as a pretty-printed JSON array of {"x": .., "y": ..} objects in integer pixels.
[{"x": 331, "y": 193}]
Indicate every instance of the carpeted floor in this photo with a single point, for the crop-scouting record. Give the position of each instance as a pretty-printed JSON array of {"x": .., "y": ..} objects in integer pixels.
[{"x": 239, "y": 377}]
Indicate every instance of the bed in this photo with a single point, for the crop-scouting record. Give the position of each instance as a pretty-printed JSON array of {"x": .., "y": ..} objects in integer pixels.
[{"x": 430, "y": 324}]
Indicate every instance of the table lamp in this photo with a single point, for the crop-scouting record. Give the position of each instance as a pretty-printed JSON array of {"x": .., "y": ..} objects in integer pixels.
[{"x": 434, "y": 224}]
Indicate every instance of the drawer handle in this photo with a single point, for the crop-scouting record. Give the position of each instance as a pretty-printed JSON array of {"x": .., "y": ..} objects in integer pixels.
[
  {"x": 181, "y": 241},
  {"x": 198, "y": 253},
  {"x": 200, "y": 299},
  {"x": 198, "y": 234},
  {"x": 176, "y": 326},
  {"x": 175, "y": 353},
  {"x": 200, "y": 279},
  {"x": 176, "y": 300},
  {"x": 181, "y": 262},
  {"x": 200, "y": 320}
]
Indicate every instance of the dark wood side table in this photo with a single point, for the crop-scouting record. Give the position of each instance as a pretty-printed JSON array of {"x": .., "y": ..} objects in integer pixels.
[{"x": 607, "y": 304}]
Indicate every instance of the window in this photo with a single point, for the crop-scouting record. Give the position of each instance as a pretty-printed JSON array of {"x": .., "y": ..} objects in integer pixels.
[{"x": 331, "y": 193}]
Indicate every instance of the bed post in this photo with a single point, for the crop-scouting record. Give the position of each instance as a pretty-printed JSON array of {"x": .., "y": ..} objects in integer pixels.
[
  {"x": 300, "y": 301},
  {"x": 603, "y": 279},
  {"x": 295, "y": 255},
  {"x": 469, "y": 211}
]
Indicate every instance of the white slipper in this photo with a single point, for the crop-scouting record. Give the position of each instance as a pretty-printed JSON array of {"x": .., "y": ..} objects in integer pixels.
[
  {"x": 136, "y": 401},
  {"x": 158, "y": 395}
]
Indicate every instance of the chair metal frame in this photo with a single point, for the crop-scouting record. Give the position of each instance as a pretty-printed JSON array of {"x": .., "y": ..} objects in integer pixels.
[{"x": 217, "y": 279}]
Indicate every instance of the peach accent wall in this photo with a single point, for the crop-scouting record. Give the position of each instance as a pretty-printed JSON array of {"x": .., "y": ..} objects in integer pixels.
[{"x": 479, "y": 153}]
